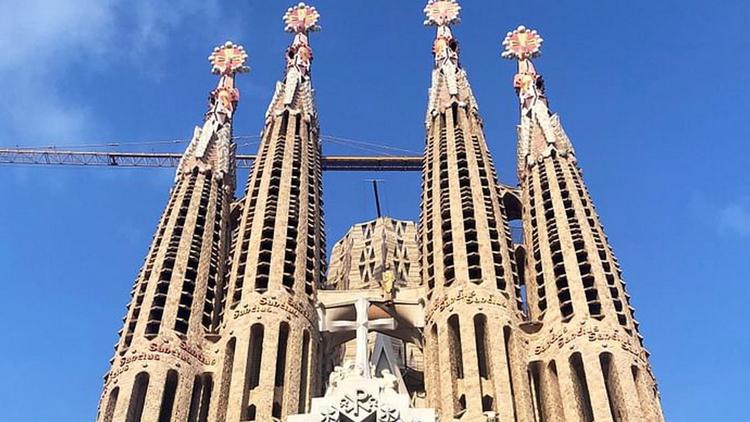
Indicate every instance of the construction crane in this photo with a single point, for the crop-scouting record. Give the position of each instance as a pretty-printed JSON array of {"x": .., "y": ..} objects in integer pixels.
[{"x": 54, "y": 157}]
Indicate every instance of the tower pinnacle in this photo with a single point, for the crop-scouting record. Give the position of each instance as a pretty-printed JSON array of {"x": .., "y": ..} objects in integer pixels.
[
  {"x": 539, "y": 132},
  {"x": 443, "y": 14},
  {"x": 226, "y": 60},
  {"x": 295, "y": 91}
]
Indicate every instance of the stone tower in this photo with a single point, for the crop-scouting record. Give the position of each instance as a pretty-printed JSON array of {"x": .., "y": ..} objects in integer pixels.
[
  {"x": 160, "y": 368},
  {"x": 588, "y": 362},
  {"x": 269, "y": 367},
  {"x": 232, "y": 319},
  {"x": 466, "y": 249}
]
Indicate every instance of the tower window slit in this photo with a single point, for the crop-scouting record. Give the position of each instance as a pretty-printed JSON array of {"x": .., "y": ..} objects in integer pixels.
[
  {"x": 454, "y": 345},
  {"x": 109, "y": 410},
  {"x": 137, "y": 398},
  {"x": 304, "y": 373},
  {"x": 480, "y": 333},
  {"x": 253, "y": 366},
  {"x": 167, "y": 400},
  {"x": 281, "y": 355},
  {"x": 581, "y": 389}
]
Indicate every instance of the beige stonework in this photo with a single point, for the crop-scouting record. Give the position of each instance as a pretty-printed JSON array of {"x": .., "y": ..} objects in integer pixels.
[{"x": 232, "y": 318}]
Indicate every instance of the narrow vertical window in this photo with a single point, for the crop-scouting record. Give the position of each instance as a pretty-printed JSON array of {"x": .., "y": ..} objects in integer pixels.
[
  {"x": 253, "y": 365},
  {"x": 581, "y": 388},
  {"x": 195, "y": 401},
  {"x": 167, "y": 398},
  {"x": 281, "y": 354},
  {"x": 109, "y": 411},
  {"x": 208, "y": 384},
  {"x": 137, "y": 398},
  {"x": 454, "y": 339},
  {"x": 480, "y": 334},
  {"x": 303, "y": 376}
]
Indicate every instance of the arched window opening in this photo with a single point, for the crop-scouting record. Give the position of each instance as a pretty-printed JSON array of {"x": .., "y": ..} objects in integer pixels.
[
  {"x": 109, "y": 410},
  {"x": 303, "y": 377},
  {"x": 167, "y": 398},
  {"x": 454, "y": 344},
  {"x": 137, "y": 398},
  {"x": 487, "y": 403},
  {"x": 581, "y": 388},
  {"x": 195, "y": 401},
  {"x": 480, "y": 334},
  {"x": 252, "y": 367},
  {"x": 281, "y": 355}
]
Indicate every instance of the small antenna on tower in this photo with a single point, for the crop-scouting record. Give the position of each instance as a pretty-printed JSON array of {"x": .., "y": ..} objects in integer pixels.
[{"x": 376, "y": 193}]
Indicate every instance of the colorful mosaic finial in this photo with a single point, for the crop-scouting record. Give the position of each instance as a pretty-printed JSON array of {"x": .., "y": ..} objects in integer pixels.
[
  {"x": 301, "y": 18},
  {"x": 522, "y": 44},
  {"x": 228, "y": 59},
  {"x": 442, "y": 12}
]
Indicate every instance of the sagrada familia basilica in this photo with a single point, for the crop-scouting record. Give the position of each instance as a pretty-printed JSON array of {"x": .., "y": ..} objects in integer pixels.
[{"x": 236, "y": 315}]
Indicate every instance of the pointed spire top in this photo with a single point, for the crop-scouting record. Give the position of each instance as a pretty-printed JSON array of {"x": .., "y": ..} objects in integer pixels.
[
  {"x": 301, "y": 19},
  {"x": 522, "y": 44},
  {"x": 228, "y": 59},
  {"x": 442, "y": 12}
]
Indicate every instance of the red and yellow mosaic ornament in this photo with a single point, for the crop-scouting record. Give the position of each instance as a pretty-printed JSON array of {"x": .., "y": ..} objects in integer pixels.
[
  {"x": 522, "y": 44},
  {"x": 228, "y": 59},
  {"x": 442, "y": 12},
  {"x": 301, "y": 18}
]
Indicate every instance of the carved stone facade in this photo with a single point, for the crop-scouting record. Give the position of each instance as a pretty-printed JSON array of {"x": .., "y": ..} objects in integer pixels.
[
  {"x": 383, "y": 249},
  {"x": 232, "y": 318}
]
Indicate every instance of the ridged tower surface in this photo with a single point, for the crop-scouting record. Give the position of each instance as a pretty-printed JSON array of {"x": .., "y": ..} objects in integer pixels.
[
  {"x": 587, "y": 361},
  {"x": 269, "y": 368},
  {"x": 470, "y": 349},
  {"x": 163, "y": 362}
]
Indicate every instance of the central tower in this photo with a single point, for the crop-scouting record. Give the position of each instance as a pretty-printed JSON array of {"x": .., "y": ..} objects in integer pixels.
[{"x": 466, "y": 247}]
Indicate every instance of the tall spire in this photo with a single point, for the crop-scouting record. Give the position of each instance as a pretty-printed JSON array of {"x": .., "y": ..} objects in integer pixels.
[
  {"x": 540, "y": 131},
  {"x": 449, "y": 82},
  {"x": 295, "y": 92},
  {"x": 574, "y": 280},
  {"x": 278, "y": 253},
  {"x": 467, "y": 250},
  {"x": 176, "y": 300}
]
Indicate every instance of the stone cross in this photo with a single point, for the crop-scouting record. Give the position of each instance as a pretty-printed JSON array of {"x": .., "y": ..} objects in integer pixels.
[{"x": 362, "y": 326}]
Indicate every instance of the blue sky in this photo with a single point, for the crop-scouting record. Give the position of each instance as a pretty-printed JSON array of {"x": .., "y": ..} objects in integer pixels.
[{"x": 654, "y": 96}]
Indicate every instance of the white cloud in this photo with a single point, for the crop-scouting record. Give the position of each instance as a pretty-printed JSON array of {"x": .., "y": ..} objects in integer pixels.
[
  {"x": 40, "y": 39},
  {"x": 735, "y": 217}
]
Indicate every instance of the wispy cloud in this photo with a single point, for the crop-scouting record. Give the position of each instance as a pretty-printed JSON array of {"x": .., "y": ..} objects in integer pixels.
[
  {"x": 735, "y": 217},
  {"x": 40, "y": 39}
]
